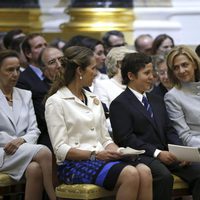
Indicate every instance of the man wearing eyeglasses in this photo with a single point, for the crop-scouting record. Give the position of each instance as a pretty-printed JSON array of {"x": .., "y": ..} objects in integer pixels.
[
  {"x": 113, "y": 39},
  {"x": 50, "y": 62}
]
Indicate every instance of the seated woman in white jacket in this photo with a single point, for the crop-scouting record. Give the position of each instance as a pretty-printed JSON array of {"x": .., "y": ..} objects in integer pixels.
[
  {"x": 19, "y": 154},
  {"x": 76, "y": 122},
  {"x": 183, "y": 100}
]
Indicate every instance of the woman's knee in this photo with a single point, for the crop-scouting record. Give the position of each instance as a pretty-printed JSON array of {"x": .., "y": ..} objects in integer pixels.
[
  {"x": 129, "y": 175},
  {"x": 34, "y": 170},
  {"x": 44, "y": 153},
  {"x": 144, "y": 171}
]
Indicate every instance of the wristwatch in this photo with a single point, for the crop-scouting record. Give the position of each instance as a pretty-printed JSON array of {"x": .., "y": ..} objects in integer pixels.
[{"x": 93, "y": 156}]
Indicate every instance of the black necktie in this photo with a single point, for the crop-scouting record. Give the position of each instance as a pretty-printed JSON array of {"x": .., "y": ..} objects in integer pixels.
[{"x": 147, "y": 106}]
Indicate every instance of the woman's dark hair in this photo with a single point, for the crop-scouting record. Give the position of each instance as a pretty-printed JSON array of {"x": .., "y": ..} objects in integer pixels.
[
  {"x": 158, "y": 41},
  {"x": 133, "y": 62},
  {"x": 7, "y": 54},
  {"x": 74, "y": 57},
  {"x": 91, "y": 43}
]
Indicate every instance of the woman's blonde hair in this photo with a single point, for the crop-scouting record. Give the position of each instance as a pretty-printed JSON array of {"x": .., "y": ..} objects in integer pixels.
[
  {"x": 190, "y": 54},
  {"x": 114, "y": 55}
]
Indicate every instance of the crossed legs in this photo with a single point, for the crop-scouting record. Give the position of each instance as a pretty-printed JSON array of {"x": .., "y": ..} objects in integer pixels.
[{"x": 39, "y": 176}]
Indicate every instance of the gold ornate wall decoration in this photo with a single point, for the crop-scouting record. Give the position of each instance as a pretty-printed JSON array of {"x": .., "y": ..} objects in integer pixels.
[
  {"x": 99, "y": 20},
  {"x": 27, "y": 19}
]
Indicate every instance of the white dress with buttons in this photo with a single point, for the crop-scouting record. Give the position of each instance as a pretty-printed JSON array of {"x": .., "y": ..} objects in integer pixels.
[{"x": 183, "y": 106}]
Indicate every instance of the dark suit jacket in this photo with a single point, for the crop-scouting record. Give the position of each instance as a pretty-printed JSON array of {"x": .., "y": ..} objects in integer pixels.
[
  {"x": 29, "y": 80},
  {"x": 159, "y": 90},
  {"x": 133, "y": 127}
]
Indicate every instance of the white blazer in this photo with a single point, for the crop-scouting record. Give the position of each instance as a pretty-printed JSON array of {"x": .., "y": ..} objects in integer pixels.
[
  {"x": 71, "y": 123},
  {"x": 17, "y": 121}
]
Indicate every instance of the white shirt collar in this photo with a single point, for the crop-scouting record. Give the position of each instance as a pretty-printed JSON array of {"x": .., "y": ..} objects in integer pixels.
[
  {"x": 137, "y": 94},
  {"x": 38, "y": 72}
]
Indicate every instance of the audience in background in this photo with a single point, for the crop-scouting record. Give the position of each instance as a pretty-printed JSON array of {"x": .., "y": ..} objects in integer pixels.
[
  {"x": 19, "y": 154},
  {"x": 143, "y": 43},
  {"x": 183, "y": 101}
]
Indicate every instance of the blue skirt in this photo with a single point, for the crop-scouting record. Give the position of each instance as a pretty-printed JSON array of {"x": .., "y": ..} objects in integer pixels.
[{"x": 98, "y": 172}]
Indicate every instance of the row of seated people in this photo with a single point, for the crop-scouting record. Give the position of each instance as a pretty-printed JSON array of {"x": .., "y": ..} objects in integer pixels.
[{"x": 89, "y": 145}]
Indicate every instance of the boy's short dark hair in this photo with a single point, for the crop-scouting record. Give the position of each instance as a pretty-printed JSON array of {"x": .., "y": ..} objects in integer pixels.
[{"x": 133, "y": 62}]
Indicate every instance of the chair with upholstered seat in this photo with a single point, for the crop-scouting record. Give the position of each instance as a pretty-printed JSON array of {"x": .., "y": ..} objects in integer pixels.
[
  {"x": 180, "y": 188},
  {"x": 90, "y": 191},
  {"x": 9, "y": 187},
  {"x": 82, "y": 191}
]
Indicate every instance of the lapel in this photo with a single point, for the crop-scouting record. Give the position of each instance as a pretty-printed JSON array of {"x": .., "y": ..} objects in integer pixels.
[
  {"x": 65, "y": 93},
  {"x": 35, "y": 81},
  {"x": 138, "y": 106},
  {"x": 5, "y": 108},
  {"x": 17, "y": 105},
  {"x": 155, "y": 122}
]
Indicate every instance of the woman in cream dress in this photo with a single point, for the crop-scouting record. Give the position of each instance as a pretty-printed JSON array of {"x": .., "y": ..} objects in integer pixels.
[{"x": 19, "y": 153}]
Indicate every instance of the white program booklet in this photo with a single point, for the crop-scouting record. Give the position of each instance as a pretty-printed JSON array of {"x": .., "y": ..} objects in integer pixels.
[
  {"x": 185, "y": 153},
  {"x": 130, "y": 152}
]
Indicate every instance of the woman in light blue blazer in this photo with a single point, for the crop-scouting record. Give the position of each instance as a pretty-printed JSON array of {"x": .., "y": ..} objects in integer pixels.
[
  {"x": 183, "y": 100},
  {"x": 76, "y": 123},
  {"x": 19, "y": 154}
]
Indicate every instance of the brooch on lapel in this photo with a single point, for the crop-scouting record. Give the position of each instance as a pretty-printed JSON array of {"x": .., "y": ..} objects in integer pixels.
[{"x": 96, "y": 101}]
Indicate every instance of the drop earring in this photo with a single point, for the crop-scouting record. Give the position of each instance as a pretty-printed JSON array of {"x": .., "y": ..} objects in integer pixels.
[{"x": 81, "y": 77}]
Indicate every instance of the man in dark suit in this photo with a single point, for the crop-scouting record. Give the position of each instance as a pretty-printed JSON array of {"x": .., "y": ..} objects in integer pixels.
[
  {"x": 144, "y": 124},
  {"x": 32, "y": 78}
]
